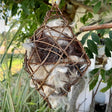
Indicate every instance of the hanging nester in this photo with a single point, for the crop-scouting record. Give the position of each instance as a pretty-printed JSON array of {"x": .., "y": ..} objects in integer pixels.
[{"x": 55, "y": 59}]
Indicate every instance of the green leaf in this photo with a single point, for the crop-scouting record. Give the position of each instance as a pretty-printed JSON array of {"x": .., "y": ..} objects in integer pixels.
[
  {"x": 3, "y": 17},
  {"x": 32, "y": 3},
  {"x": 89, "y": 53},
  {"x": 92, "y": 46},
  {"x": 62, "y": 4},
  {"x": 41, "y": 12},
  {"x": 26, "y": 10},
  {"x": 93, "y": 1},
  {"x": 84, "y": 18},
  {"x": 86, "y": 2},
  {"x": 110, "y": 34},
  {"x": 102, "y": 72},
  {"x": 97, "y": 7},
  {"x": 104, "y": 89},
  {"x": 109, "y": 82},
  {"x": 0, "y": 11},
  {"x": 94, "y": 71},
  {"x": 93, "y": 82},
  {"x": 5, "y": 1},
  {"x": 31, "y": 103},
  {"x": 90, "y": 15},
  {"x": 14, "y": 9},
  {"x": 107, "y": 52},
  {"x": 95, "y": 38},
  {"x": 111, "y": 6},
  {"x": 11, "y": 59},
  {"x": 109, "y": 72},
  {"x": 108, "y": 43},
  {"x": 84, "y": 38},
  {"x": 9, "y": 97},
  {"x": 101, "y": 32},
  {"x": 6, "y": 20}
]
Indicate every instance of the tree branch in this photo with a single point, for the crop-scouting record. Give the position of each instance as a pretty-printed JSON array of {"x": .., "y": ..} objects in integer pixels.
[
  {"x": 106, "y": 25},
  {"x": 96, "y": 27}
]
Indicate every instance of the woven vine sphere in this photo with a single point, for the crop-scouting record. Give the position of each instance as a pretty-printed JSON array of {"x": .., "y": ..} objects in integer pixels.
[{"x": 55, "y": 59}]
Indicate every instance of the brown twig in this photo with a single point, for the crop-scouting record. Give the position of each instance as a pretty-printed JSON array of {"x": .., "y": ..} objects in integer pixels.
[
  {"x": 81, "y": 104},
  {"x": 97, "y": 88},
  {"x": 96, "y": 27},
  {"x": 90, "y": 25}
]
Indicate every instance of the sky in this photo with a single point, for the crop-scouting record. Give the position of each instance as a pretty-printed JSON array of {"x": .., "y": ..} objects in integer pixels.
[{"x": 3, "y": 27}]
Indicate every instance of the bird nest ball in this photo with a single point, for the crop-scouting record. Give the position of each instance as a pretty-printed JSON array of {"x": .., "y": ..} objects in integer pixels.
[{"x": 54, "y": 58}]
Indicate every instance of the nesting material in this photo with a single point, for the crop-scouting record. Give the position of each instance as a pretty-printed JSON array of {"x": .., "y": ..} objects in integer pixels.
[{"x": 54, "y": 58}]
